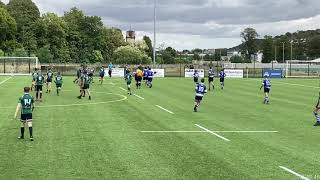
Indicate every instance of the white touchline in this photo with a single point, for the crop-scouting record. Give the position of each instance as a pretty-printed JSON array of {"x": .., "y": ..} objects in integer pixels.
[
  {"x": 5, "y": 80},
  {"x": 138, "y": 96},
  {"x": 211, "y": 132},
  {"x": 123, "y": 88},
  {"x": 173, "y": 131},
  {"x": 292, "y": 84},
  {"x": 294, "y": 173},
  {"x": 164, "y": 109}
]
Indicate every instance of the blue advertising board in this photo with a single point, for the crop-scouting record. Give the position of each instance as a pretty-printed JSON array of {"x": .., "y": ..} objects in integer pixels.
[{"x": 272, "y": 73}]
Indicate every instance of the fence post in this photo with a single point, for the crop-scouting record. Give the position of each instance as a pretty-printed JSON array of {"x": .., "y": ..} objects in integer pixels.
[
  {"x": 4, "y": 66},
  {"x": 308, "y": 69},
  {"x": 180, "y": 70},
  {"x": 29, "y": 66}
]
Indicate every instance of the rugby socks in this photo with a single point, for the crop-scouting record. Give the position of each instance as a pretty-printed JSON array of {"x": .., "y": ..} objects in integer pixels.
[
  {"x": 22, "y": 132},
  {"x": 40, "y": 95},
  {"x": 30, "y": 131},
  {"x": 37, "y": 95}
]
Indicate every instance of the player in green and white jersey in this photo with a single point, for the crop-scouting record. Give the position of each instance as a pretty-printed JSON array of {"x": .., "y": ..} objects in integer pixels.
[
  {"x": 58, "y": 81},
  {"x": 26, "y": 106},
  {"x": 85, "y": 85},
  {"x": 128, "y": 78},
  {"x": 39, "y": 86}
]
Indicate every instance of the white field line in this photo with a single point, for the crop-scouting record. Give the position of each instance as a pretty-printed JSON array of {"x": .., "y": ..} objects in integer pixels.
[
  {"x": 138, "y": 96},
  {"x": 208, "y": 132},
  {"x": 123, "y": 89},
  {"x": 291, "y": 84},
  {"x": 5, "y": 80},
  {"x": 165, "y": 109},
  {"x": 211, "y": 132},
  {"x": 294, "y": 173}
]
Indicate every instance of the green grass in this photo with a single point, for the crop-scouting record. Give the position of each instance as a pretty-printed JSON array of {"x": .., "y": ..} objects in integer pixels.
[{"x": 104, "y": 141}]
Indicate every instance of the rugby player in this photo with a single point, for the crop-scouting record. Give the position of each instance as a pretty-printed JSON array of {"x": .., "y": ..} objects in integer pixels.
[
  {"x": 222, "y": 76},
  {"x": 58, "y": 81},
  {"x": 266, "y": 85},
  {"x": 26, "y": 106},
  {"x": 49, "y": 80},
  {"x": 210, "y": 78},
  {"x": 201, "y": 89}
]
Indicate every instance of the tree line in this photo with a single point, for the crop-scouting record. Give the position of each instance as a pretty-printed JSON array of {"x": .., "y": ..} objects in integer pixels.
[
  {"x": 72, "y": 38},
  {"x": 300, "y": 45}
]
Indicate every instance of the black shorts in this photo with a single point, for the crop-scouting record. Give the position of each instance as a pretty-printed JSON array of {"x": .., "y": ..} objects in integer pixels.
[
  {"x": 49, "y": 80},
  {"x": 221, "y": 79},
  {"x": 139, "y": 78},
  {"x": 145, "y": 78},
  {"x": 86, "y": 86},
  {"x": 210, "y": 79},
  {"x": 110, "y": 72},
  {"x": 150, "y": 79},
  {"x": 101, "y": 75},
  {"x": 90, "y": 75},
  {"x": 195, "y": 79},
  {"x": 198, "y": 98},
  {"x": 26, "y": 117},
  {"x": 266, "y": 90},
  {"x": 38, "y": 88},
  {"x": 58, "y": 85}
]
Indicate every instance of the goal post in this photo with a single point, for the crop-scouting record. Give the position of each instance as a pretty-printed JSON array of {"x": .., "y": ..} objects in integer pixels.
[
  {"x": 18, "y": 65},
  {"x": 302, "y": 69}
]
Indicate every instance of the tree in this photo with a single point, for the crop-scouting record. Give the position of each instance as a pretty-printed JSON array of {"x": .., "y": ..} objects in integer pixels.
[
  {"x": 314, "y": 47},
  {"x": 130, "y": 55},
  {"x": 2, "y": 5},
  {"x": 20, "y": 52},
  {"x": 249, "y": 36},
  {"x": 236, "y": 59},
  {"x": 25, "y": 12},
  {"x": 29, "y": 42},
  {"x": 148, "y": 41},
  {"x": 197, "y": 51},
  {"x": 169, "y": 55},
  {"x": 45, "y": 55},
  {"x": 196, "y": 57},
  {"x": 267, "y": 48},
  {"x": 112, "y": 39},
  {"x": 8, "y": 29}
]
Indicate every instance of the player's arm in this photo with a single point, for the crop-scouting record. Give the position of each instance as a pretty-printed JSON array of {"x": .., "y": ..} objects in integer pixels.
[{"x": 17, "y": 110}]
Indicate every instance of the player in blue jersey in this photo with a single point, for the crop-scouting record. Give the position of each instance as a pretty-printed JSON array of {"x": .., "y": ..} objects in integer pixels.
[
  {"x": 150, "y": 78},
  {"x": 110, "y": 67},
  {"x": 266, "y": 85},
  {"x": 49, "y": 80},
  {"x": 145, "y": 75},
  {"x": 201, "y": 89},
  {"x": 196, "y": 76},
  {"x": 316, "y": 112},
  {"x": 210, "y": 78},
  {"x": 222, "y": 76}
]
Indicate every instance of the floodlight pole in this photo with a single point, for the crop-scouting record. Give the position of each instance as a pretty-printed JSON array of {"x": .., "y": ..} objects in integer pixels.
[
  {"x": 284, "y": 67},
  {"x": 154, "y": 33},
  {"x": 291, "y": 55}
]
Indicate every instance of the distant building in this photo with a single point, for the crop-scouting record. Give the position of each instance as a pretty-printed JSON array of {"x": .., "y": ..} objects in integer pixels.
[{"x": 131, "y": 36}]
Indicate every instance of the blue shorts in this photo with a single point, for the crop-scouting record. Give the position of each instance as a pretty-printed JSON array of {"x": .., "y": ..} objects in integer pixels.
[
  {"x": 198, "y": 98},
  {"x": 266, "y": 90},
  {"x": 26, "y": 117}
]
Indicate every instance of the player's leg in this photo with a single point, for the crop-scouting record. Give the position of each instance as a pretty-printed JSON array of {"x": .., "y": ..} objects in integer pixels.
[
  {"x": 150, "y": 82},
  {"x": 37, "y": 92},
  {"x": 49, "y": 87},
  {"x": 40, "y": 93},
  {"x": 88, "y": 92},
  {"x": 316, "y": 114},
  {"x": 129, "y": 88},
  {"x": 29, "y": 122},
  {"x": 23, "y": 123}
]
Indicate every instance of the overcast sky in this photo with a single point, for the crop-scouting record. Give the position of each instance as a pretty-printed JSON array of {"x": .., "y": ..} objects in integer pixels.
[{"x": 188, "y": 24}]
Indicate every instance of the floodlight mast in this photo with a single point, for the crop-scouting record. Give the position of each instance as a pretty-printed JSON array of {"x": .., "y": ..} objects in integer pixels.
[{"x": 154, "y": 33}]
